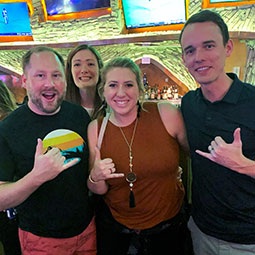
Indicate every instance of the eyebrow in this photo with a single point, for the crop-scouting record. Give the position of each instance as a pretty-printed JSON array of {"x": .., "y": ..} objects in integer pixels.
[
  {"x": 78, "y": 59},
  {"x": 188, "y": 47},
  {"x": 117, "y": 81},
  {"x": 55, "y": 70},
  {"x": 209, "y": 41},
  {"x": 205, "y": 42}
]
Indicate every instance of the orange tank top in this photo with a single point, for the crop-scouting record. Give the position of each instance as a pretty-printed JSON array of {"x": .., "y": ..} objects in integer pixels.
[{"x": 158, "y": 193}]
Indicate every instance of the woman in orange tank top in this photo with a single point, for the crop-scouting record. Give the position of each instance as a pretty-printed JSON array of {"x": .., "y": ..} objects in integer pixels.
[{"x": 135, "y": 170}]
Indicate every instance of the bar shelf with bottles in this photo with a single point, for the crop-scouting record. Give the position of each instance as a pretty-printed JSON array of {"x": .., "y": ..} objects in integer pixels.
[{"x": 157, "y": 93}]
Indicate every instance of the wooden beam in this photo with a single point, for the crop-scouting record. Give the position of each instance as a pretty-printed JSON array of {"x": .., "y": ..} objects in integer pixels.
[
  {"x": 9, "y": 72},
  {"x": 242, "y": 35},
  {"x": 121, "y": 40}
]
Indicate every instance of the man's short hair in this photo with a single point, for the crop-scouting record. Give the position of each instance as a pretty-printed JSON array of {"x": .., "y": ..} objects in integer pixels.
[
  {"x": 208, "y": 16},
  {"x": 26, "y": 57}
]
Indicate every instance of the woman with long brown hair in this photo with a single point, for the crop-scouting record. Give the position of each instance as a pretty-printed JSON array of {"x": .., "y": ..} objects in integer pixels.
[
  {"x": 7, "y": 101},
  {"x": 83, "y": 70}
]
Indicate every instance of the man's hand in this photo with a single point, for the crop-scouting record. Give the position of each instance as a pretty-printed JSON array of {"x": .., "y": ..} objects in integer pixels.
[
  {"x": 230, "y": 155},
  {"x": 46, "y": 167},
  {"x": 49, "y": 165}
]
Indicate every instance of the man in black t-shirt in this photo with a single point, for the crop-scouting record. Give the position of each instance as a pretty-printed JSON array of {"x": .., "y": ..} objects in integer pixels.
[{"x": 44, "y": 163}]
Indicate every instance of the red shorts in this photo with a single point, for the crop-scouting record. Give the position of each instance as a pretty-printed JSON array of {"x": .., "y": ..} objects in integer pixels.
[{"x": 82, "y": 244}]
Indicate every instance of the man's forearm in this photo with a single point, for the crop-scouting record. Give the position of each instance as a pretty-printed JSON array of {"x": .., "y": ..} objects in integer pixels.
[
  {"x": 14, "y": 193},
  {"x": 246, "y": 166}
]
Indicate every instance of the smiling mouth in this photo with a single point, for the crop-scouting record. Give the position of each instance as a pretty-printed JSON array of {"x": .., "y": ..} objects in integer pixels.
[
  {"x": 49, "y": 95},
  {"x": 121, "y": 102},
  {"x": 84, "y": 78},
  {"x": 201, "y": 69}
]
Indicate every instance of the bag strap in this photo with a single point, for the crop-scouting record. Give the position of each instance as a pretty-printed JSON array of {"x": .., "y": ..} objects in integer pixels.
[{"x": 102, "y": 130}]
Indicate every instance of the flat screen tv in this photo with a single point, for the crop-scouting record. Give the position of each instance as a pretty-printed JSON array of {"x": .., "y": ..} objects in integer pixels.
[
  {"x": 154, "y": 15},
  {"x": 15, "y": 21},
  {"x": 225, "y": 3},
  {"x": 74, "y": 9}
]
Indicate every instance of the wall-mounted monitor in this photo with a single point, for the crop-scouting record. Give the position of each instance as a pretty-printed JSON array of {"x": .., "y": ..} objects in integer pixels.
[
  {"x": 74, "y": 9},
  {"x": 225, "y": 3},
  {"x": 154, "y": 15},
  {"x": 14, "y": 21}
]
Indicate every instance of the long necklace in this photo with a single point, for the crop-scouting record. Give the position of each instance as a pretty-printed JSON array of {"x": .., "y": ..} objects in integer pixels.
[{"x": 131, "y": 176}]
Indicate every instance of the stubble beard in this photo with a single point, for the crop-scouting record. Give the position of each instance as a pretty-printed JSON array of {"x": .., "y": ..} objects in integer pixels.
[{"x": 50, "y": 107}]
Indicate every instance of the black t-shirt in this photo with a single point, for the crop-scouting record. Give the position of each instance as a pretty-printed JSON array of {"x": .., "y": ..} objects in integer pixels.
[
  {"x": 59, "y": 208},
  {"x": 223, "y": 201}
]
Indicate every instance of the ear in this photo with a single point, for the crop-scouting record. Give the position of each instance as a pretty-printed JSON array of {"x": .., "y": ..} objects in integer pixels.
[
  {"x": 24, "y": 80},
  {"x": 229, "y": 47}
]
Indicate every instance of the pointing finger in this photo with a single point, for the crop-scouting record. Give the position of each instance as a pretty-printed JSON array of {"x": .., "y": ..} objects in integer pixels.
[
  {"x": 70, "y": 163},
  {"x": 204, "y": 154},
  {"x": 118, "y": 175}
]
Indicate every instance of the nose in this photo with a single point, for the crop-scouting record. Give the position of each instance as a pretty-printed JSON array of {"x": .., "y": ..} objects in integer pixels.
[
  {"x": 50, "y": 82},
  {"x": 121, "y": 91},
  {"x": 84, "y": 69},
  {"x": 199, "y": 55}
]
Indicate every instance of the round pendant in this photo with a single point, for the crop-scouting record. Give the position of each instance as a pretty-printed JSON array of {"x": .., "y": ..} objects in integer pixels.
[{"x": 131, "y": 177}]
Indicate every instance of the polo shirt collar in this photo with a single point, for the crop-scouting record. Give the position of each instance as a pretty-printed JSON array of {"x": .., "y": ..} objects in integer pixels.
[{"x": 233, "y": 94}]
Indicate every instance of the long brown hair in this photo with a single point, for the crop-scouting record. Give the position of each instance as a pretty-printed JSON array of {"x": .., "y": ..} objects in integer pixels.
[
  {"x": 72, "y": 91},
  {"x": 7, "y": 101}
]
